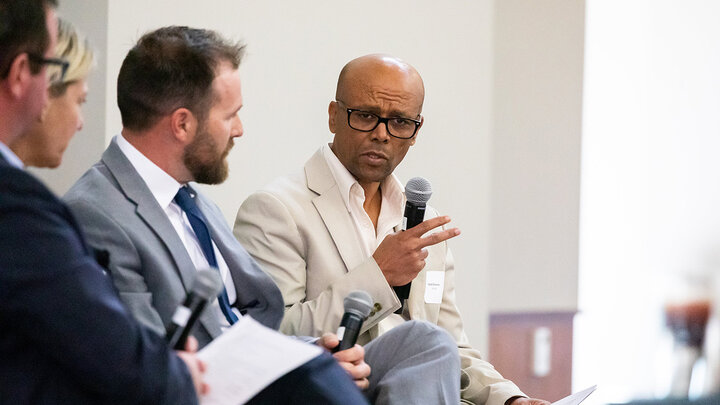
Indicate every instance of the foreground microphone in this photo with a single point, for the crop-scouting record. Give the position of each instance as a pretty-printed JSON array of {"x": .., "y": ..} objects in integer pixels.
[
  {"x": 417, "y": 194},
  {"x": 207, "y": 285},
  {"x": 357, "y": 307}
]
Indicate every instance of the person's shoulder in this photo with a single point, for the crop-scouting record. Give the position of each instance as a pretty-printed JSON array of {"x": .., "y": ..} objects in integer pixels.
[
  {"x": 94, "y": 186},
  {"x": 12, "y": 179},
  {"x": 20, "y": 187},
  {"x": 291, "y": 183},
  {"x": 288, "y": 194},
  {"x": 289, "y": 188},
  {"x": 31, "y": 214}
]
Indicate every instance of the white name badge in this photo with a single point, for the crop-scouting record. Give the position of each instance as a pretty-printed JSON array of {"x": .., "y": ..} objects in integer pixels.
[{"x": 434, "y": 283}]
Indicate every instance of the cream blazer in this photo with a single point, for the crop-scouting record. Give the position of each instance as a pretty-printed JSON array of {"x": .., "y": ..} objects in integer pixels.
[{"x": 301, "y": 233}]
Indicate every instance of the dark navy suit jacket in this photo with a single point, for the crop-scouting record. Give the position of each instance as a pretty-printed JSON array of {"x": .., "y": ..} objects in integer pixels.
[{"x": 65, "y": 336}]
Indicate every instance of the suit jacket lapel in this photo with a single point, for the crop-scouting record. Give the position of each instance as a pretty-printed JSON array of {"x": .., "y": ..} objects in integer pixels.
[
  {"x": 332, "y": 210},
  {"x": 136, "y": 191},
  {"x": 257, "y": 295}
]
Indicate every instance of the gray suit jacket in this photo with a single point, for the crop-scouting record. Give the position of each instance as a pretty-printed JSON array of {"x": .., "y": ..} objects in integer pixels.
[{"x": 148, "y": 262}]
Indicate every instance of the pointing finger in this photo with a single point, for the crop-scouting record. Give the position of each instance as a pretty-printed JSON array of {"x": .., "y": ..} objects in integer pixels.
[
  {"x": 437, "y": 237},
  {"x": 426, "y": 226}
]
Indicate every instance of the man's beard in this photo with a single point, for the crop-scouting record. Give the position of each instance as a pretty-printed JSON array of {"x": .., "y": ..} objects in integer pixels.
[{"x": 202, "y": 160}]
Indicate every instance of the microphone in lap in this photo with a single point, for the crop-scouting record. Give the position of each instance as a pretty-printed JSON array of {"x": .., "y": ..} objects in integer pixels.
[
  {"x": 207, "y": 285},
  {"x": 357, "y": 307},
  {"x": 417, "y": 194}
]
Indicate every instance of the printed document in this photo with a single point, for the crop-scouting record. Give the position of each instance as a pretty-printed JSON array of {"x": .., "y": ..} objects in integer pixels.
[
  {"x": 576, "y": 398},
  {"x": 247, "y": 358}
]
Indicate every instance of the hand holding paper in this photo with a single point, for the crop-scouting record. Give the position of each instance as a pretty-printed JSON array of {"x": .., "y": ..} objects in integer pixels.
[
  {"x": 194, "y": 365},
  {"x": 247, "y": 358}
]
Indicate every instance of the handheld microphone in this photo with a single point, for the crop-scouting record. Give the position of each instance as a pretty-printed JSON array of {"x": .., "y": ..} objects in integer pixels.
[
  {"x": 206, "y": 286},
  {"x": 357, "y": 307},
  {"x": 417, "y": 194}
]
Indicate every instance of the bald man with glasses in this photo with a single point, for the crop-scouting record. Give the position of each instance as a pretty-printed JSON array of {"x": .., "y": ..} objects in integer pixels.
[{"x": 335, "y": 226}]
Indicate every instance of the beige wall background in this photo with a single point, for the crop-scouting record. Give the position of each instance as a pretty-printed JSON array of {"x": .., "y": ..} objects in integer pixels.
[
  {"x": 500, "y": 144},
  {"x": 537, "y": 110}
]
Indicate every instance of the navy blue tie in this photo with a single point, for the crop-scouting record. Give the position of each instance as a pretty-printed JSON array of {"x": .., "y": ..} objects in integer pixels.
[{"x": 185, "y": 200}]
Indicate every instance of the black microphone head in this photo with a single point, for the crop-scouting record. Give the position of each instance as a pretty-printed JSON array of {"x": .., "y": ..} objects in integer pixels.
[
  {"x": 358, "y": 302},
  {"x": 207, "y": 284},
  {"x": 418, "y": 190}
]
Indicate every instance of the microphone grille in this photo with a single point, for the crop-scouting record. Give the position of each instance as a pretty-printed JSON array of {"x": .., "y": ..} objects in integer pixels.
[
  {"x": 358, "y": 302},
  {"x": 418, "y": 190},
  {"x": 207, "y": 283}
]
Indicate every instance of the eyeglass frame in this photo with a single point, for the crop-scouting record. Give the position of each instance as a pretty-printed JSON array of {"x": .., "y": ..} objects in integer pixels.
[
  {"x": 64, "y": 65},
  {"x": 380, "y": 119}
]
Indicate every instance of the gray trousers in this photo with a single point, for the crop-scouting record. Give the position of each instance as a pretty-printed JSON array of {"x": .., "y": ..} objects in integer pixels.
[{"x": 414, "y": 363}]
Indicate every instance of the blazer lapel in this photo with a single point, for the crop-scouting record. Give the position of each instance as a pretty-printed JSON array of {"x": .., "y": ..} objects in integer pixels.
[
  {"x": 257, "y": 295},
  {"x": 135, "y": 189},
  {"x": 332, "y": 210}
]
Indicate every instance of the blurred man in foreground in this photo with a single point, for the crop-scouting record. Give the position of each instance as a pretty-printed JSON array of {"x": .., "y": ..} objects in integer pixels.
[
  {"x": 66, "y": 335},
  {"x": 45, "y": 141}
]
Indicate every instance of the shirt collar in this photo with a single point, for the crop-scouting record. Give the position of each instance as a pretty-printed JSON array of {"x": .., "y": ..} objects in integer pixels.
[
  {"x": 11, "y": 157},
  {"x": 393, "y": 191},
  {"x": 342, "y": 175},
  {"x": 162, "y": 186},
  {"x": 393, "y": 198}
]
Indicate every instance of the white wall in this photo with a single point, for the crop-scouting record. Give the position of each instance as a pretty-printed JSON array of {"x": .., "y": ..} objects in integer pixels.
[
  {"x": 650, "y": 178},
  {"x": 535, "y": 156}
]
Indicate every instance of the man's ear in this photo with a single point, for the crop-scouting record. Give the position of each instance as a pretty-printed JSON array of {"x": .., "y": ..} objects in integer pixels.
[
  {"x": 183, "y": 125},
  {"x": 18, "y": 75},
  {"x": 332, "y": 110},
  {"x": 417, "y": 133}
]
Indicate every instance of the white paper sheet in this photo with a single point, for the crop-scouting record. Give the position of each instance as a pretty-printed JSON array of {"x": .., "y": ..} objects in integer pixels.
[
  {"x": 247, "y": 358},
  {"x": 576, "y": 398}
]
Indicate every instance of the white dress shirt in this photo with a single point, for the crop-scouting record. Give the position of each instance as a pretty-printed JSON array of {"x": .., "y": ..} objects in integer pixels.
[
  {"x": 11, "y": 157},
  {"x": 164, "y": 188},
  {"x": 391, "y": 208},
  {"x": 391, "y": 215}
]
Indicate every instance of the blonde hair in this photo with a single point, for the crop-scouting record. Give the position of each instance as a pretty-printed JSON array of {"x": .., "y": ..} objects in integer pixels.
[{"x": 74, "y": 48}]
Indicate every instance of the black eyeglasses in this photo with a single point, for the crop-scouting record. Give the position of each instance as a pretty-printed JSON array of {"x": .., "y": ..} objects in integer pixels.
[
  {"x": 56, "y": 75},
  {"x": 365, "y": 121}
]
